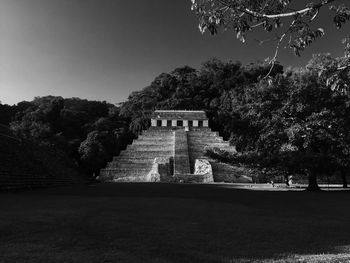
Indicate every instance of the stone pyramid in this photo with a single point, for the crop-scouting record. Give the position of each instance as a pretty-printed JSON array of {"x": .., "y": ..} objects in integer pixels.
[{"x": 172, "y": 150}]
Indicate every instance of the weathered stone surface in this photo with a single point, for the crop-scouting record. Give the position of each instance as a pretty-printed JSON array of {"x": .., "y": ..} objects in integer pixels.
[
  {"x": 160, "y": 170},
  {"x": 182, "y": 161},
  {"x": 203, "y": 167},
  {"x": 135, "y": 163}
]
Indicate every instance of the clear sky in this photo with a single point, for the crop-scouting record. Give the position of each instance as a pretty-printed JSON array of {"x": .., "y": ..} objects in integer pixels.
[{"x": 104, "y": 49}]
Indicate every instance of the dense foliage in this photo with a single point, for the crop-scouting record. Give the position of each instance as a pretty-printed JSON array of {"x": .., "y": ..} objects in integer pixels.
[
  {"x": 244, "y": 16},
  {"x": 89, "y": 132}
]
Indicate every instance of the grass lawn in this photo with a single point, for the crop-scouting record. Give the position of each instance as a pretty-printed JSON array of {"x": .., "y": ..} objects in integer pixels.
[{"x": 173, "y": 223}]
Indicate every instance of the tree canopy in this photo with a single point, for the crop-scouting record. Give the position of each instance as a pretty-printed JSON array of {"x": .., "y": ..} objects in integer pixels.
[
  {"x": 90, "y": 132},
  {"x": 294, "y": 28}
]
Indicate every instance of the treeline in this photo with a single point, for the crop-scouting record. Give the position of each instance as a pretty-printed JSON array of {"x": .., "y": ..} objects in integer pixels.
[
  {"x": 89, "y": 132},
  {"x": 287, "y": 120}
]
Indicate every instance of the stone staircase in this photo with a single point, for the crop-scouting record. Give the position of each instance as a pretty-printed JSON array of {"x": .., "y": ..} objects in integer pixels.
[
  {"x": 199, "y": 139},
  {"x": 182, "y": 160},
  {"x": 134, "y": 163}
]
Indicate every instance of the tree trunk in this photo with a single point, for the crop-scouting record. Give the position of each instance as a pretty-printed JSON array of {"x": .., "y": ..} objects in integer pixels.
[
  {"x": 313, "y": 186},
  {"x": 343, "y": 177}
]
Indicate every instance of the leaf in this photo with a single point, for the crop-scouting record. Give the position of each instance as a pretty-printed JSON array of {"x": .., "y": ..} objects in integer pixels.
[{"x": 240, "y": 36}]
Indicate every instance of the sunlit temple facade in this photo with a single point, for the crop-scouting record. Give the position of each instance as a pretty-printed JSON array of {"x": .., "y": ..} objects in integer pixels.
[{"x": 175, "y": 118}]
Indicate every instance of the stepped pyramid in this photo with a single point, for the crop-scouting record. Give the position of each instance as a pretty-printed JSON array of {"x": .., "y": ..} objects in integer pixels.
[{"x": 172, "y": 150}]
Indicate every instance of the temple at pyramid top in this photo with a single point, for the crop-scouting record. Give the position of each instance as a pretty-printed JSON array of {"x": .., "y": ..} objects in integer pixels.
[{"x": 179, "y": 118}]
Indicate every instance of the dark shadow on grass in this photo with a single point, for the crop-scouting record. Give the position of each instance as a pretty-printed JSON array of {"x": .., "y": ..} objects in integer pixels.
[{"x": 186, "y": 223}]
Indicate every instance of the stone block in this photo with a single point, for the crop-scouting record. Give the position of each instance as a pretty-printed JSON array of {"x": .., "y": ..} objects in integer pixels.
[
  {"x": 203, "y": 167},
  {"x": 160, "y": 169}
]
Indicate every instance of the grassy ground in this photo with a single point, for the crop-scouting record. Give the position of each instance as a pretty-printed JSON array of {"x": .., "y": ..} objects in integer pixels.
[{"x": 173, "y": 223}]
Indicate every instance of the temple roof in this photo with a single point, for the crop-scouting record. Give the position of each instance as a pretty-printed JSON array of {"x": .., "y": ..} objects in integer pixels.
[{"x": 179, "y": 115}]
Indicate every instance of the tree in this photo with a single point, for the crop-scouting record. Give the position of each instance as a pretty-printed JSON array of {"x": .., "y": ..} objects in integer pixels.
[
  {"x": 93, "y": 153},
  {"x": 334, "y": 72},
  {"x": 293, "y": 125},
  {"x": 7, "y": 112},
  {"x": 39, "y": 122},
  {"x": 293, "y": 27}
]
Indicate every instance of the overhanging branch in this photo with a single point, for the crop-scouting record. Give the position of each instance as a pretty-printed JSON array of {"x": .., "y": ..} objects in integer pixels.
[{"x": 274, "y": 16}]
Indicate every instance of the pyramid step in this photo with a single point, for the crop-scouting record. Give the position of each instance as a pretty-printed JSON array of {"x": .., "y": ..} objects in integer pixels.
[
  {"x": 155, "y": 138},
  {"x": 139, "y": 154},
  {"x": 205, "y": 138},
  {"x": 132, "y": 169},
  {"x": 134, "y": 159},
  {"x": 214, "y": 144},
  {"x": 118, "y": 173},
  {"x": 104, "y": 177},
  {"x": 153, "y": 143},
  {"x": 125, "y": 171},
  {"x": 157, "y": 147},
  {"x": 159, "y": 131},
  {"x": 142, "y": 156},
  {"x": 132, "y": 152},
  {"x": 136, "y": 149},
  {"x": 194, "y": 134},
  {"x": 163, "y": 135},
  {"x": 128, "y": 179},
  {"x": 129, "y": 165}
]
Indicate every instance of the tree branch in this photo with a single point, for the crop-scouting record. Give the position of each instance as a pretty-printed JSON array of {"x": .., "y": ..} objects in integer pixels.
[
  {"x": 261, "y": 15},
  {"x": 273, "y": 60}
]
